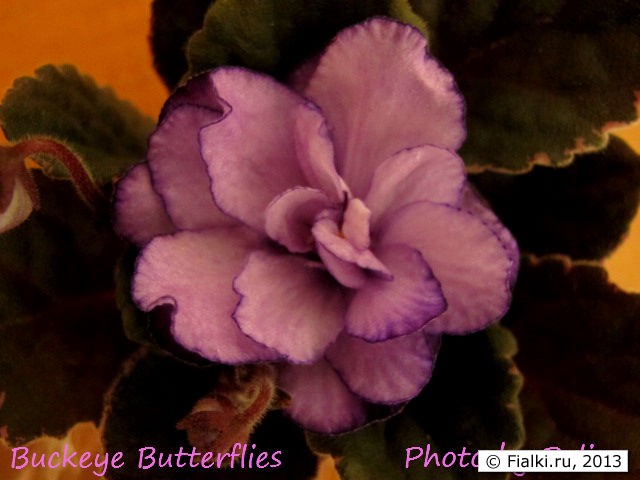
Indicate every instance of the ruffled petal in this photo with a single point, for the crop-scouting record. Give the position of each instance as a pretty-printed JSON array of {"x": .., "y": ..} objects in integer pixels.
[
  {"x": 320, "y": 401},
  {"x": 290, "y": 305},
  {"x": 474, "y": 203},
  {"x": 327, "y": 234},
  {"x": 382, "y": 93},
  {"x": 178, "y": 172},
  {"x": 414, "y": 175},
  {"x": 315, "y": 152},
  {"x": 140, "y": 214},
  {"x": 289, "y": 217},
  {"x": 198, "y": 91},
  {"x": 383, "y": 309},
  {"x": 466, "y": 256},
  {"x": 387, "y": 372},
  {"x": 251, "y": 152},
  {"x": 193, "y": 272}
]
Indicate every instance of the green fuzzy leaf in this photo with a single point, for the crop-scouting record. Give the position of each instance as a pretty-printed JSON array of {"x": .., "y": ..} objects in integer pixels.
[
  {"x": 56, "y": 366},
  {"x": 135, "y": 322},
  {"x": 155, "y": 392},
  {"x": 583, "y": 210},
  {"x": 61, "y": 251},
  {"x": 471, "y": 403},
  {"x": 109, "y": 134},
  {"x": 275, "y": 36},
  {"x": 61, "y": 340},
  {"x": 172, "y": 23},
  {"x": 541, "y": 79},
  {"x": 578, "y": 338}
]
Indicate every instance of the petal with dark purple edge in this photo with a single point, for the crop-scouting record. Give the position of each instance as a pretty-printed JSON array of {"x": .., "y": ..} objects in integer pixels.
[
  {"x": 178, "y": 172},
  {"x": 315, "y": 152},
  {"x": 413, "y": 175},
  {"x": 474, "y": 203},
  {"x": 139, "y": 212},
  {"x": 250, "y": 152},
  {"x": 289, "y": 217},
  {"x": 193, "y": 272},
  {"x": 382, "y": 309},
  {"x": 198, "y": 91},
  {"x": 320, "y": 401},
  {"x": 290, "y": 304},
  {"x": 381, "y": 92},
  {"x": 327, "y": 234},
  {"x": 387, "y": 372},
  {"x": 466, "y": 256}
]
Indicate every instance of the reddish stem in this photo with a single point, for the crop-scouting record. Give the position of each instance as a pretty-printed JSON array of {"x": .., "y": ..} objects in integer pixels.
[{"x": 81, "y": 178}]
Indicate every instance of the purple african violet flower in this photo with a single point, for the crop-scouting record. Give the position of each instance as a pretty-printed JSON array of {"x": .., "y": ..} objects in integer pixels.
[{"x": 328, "y": 228}]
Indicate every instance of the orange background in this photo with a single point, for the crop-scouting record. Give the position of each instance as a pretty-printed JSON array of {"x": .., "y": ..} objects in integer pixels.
[{"x": 108, "y": 40}]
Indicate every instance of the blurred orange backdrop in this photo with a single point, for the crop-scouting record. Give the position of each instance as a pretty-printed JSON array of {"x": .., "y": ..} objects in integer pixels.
[{"x": 108, "y": 40}]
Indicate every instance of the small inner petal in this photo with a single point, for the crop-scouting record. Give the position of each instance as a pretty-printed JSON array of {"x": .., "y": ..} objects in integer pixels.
[
  {"x": 289, "y": 217},
  {"x": 327, "y": 234},
  {"x": 355, "y": 226},
  {"x": 348, "y": 274}
]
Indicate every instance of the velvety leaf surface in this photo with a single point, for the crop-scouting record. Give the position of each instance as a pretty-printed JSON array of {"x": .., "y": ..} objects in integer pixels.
[
  {"x": 155, "y": 392},
  {"x": 578, "y": 338},
  {"x": 109, "y": 134},
  {"x": 61, "y": 341},
  {"x": 583, "y": 210},
  {"x": 62, "y": 251},
  {"x": 541, "y": 79},
  {"x": 56, "y": 366},
  {"x": 136, "y": 322},
  {"x": 274, "y": 36},
  {"x": 172, "y": 23},
  {"x": 470, "y": 402}
]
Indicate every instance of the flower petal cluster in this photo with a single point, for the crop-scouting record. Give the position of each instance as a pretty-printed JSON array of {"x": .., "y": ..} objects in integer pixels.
[{"x": 327, "y": 227}]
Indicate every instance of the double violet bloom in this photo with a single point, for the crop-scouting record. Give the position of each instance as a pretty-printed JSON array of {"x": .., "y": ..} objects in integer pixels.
[{"x": 326, "y": 227}]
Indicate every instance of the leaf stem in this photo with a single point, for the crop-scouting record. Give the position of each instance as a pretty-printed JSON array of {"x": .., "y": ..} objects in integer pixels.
[{"x": 86, "y": 186}]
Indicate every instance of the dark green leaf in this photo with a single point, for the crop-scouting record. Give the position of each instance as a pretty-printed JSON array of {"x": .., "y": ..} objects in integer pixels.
[
  {"x": 274, "y": 36},
  {"x": 578, "y": 338},
  {"x": 62, "y": 340},
  {"x": 135, "y": 321},
  {"x": 541, "y": 79},
  {"x": 109, "y": 134},
  {"x": 172, "y": 23},
  {"x": 56, "y": 367},
  {"x": 583, "y": 210},
  {"x": 62, "y": 251},
  {"x": 471, "y": 403},
  {"x": 155, "y": 392}
]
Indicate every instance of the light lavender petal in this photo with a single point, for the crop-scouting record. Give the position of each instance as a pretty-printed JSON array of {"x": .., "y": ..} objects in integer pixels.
[
  {"x": 381, "y": 92},
  {"x": 289, "y": 304},
  {"x": 382, "y": 309},
  {"x": 193, "y": 272},
  {"x": 320, "y": 401},
  {"x": 139, "y": 212}
]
